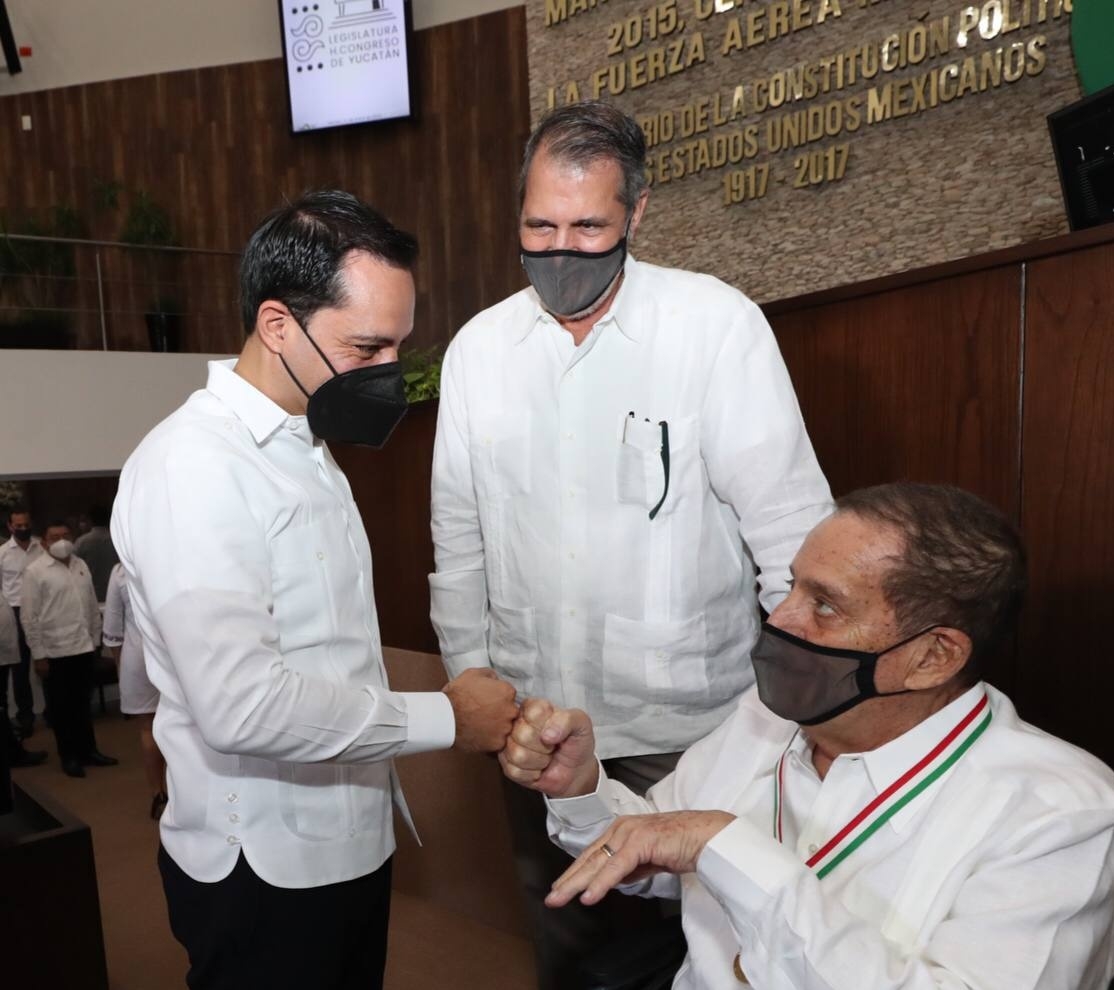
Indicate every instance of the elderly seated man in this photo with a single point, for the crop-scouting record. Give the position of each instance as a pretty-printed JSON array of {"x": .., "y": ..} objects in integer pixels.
[{"x": 873, "y": 815}]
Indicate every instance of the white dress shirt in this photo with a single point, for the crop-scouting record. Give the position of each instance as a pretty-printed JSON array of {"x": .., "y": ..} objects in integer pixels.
[
  {"x": 138, "y": 695},
  {"x": 249, "y": 573},
  {"x": 547, "y": 465},
  {"x": 58, "y": 608},
  {"x": 998, "y": 875},
  {"x": 13, "y": 560}
]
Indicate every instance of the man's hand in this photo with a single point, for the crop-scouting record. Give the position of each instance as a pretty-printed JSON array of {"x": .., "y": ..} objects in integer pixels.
[
  {"x": 485, "y": 710},
  {"x": 552, "y": 750},
  {"x": 42, "y": 667},
  {"x": 635, "y": 847}
]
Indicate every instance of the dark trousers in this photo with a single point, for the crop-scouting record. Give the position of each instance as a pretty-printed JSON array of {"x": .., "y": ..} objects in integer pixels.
[
  {"x": 69, "y": 691},
  {"x": 563, "y": 936},
  {"x": 241, "y": 932},
  {"x": 21, "y": 680}
]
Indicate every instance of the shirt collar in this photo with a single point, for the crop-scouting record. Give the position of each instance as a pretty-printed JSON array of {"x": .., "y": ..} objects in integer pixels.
[
  {"x": 625, "y": 310},
  {"x": 261, "y": 415},
  {"x": 889, "y": 762}
]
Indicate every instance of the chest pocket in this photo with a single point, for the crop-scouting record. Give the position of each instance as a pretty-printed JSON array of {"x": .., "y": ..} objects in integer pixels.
[
  {"x": 502, "y": 456},
  {"x": 657, "y": 466},
  {"x": 311, "y": 565}
]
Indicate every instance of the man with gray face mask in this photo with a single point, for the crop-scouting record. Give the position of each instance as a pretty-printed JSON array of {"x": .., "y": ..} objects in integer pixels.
[{"x": 619, "y": 452}]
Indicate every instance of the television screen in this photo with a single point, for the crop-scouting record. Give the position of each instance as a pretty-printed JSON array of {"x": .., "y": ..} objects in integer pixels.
[{"x": 346, "y": 61}]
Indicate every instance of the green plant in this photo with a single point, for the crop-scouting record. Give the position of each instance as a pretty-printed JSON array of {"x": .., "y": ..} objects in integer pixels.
[
  {"x": 146, "y": 222},
  {"x": 421, "y": 372}
]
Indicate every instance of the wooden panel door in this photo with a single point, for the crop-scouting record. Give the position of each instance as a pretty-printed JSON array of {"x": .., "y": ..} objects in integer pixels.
[{"x": 1066, "y": 671}]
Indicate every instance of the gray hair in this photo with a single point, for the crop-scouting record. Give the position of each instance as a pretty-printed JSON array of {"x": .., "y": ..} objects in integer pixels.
[{"x": 583, "y": 133}]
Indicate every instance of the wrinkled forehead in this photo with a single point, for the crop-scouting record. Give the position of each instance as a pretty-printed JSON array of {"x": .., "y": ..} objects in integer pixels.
[{"x": 849, "y": 552}]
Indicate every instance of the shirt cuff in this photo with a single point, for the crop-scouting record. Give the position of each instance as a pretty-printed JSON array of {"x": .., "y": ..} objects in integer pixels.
[
  {"x": 585, "y": 810},
  {"x": 430, "y": 722},
  {"x": 456, "y": 664},
  {"x": 744, "y": 850}
]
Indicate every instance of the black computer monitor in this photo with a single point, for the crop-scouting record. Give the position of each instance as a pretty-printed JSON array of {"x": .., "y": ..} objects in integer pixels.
[{"x": 1083, "y": 139}]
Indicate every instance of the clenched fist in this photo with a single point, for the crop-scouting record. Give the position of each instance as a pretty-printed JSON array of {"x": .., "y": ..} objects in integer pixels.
[
  {"x": 485, "y": 710},
  {"x": 552, "y": 750}
]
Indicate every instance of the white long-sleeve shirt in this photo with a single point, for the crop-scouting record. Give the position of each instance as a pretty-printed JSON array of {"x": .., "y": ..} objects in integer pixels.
[
  {"x": 58, "y": 608},
  {"x": 13, "y": 561},
  {"x": 137, "y": 694},
  {"x": 548, "y": 464},
  {"x": 249, "y": 574},
  {"x": 997, "y": 875}
]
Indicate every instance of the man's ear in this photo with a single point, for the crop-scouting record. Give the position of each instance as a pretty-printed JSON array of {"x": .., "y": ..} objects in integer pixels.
[
  {"x": 273, "y": 321},
  {"x": 636, "y": 213},
  {"x": 947, "y": 653}
]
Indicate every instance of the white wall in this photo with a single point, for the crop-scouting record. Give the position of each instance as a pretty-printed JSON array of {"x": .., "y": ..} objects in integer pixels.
[
  {"x": 84, "y": 412},
  {"x": 83, "y": 41}
]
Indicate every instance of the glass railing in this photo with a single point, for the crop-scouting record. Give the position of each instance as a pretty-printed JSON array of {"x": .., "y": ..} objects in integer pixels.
[{"x": 103, "y": 295}]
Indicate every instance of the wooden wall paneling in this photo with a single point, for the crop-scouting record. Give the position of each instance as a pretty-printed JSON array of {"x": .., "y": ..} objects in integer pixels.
[
  {"x": 1066, "y": 678},
  {"x": 918, "y": 383},
  {"x": 213, "y": 146}
]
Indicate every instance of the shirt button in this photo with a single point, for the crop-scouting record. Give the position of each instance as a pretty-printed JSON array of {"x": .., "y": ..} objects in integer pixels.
[
  {"x": 320, "y": 555},
  {"x": 351, "y": 832},
  {"x": 233, "y": 841},
  {"x": 233, "y": 798},
  {"x": 572, "y": 555},
  {"x": 572, "y": 612},
  {"x": 568, "y": 436},
  {"x": 234, "y": 818},
  {"x": 812, "y": 849}
]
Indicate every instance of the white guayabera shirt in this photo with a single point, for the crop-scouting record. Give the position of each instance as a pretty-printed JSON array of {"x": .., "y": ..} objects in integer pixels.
[
  {"x": 249, "y": 575},
  {"x": 599, "y": 512},
  {"x": 974, "y": 852}
]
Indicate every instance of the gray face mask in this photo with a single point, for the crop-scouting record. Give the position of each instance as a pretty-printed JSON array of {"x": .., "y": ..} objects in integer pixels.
[{"x": 571, "y": 284}]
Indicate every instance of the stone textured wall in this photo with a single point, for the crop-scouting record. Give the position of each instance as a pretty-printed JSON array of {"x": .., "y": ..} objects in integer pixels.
[{"x": 970, "y": 175}]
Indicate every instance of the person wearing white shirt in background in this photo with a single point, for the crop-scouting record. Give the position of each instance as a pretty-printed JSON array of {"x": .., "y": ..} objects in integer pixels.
[
  {"x": 250, "y": 578},
  {"x": 619, "y": 450},
  {"x": 14, "y": 753},
  {"x": 873, "y": 815},
  {"x": 62, "y": 621},
  {"x": 138, "y": 696},
  {"x": 15, "y": 555}
]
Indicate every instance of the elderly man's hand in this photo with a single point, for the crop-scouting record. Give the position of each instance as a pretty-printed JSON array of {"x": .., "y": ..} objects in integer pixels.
[
  {"x": 485, "y": 710},
  {"x": 552, "y": 750},
  {"x": 635, "y": 847}
]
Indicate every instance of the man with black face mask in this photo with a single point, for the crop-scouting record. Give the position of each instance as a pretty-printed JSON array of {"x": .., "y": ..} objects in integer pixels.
[
  {"x": 619, "y": 454},
  {"x": 249, "y": 574},
  {"x": 873, "y": 814}
]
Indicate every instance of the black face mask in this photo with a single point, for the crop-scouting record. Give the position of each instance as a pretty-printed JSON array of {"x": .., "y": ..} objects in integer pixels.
[
  {"x": 23, "y": 535},
  {"x": 807, "y": 683},
  {"x": 571, "y": 284},
  {"x": 361, "y": 406}
]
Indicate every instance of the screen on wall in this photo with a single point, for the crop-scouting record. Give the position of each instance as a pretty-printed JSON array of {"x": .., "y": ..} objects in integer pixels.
[{"x": 346, "y": 61}]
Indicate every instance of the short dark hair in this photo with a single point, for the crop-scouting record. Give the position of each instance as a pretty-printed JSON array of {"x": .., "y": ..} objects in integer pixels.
[
  {"x": 58, "y": 524},
  {"x": 585, "y": 132},
  {"x": 963, "y": 563},
  {"x": 296, "y": 254},
  {"x": 99, "y": 515},
  {"x": 18, "y": 510}
]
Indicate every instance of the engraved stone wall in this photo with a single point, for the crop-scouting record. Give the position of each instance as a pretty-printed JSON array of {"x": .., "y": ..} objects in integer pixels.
[{"x": 798, "y": 145}]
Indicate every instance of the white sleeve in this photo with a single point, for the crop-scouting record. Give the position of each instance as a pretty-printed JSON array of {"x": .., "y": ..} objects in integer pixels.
[
  {"x": 757, "y": 451},
  {"x": 458, "y": 588},
  {"x": 30, "y": 603},
  {"x": 114, "y": 609},
  {"x": 92, "y": 608},
  {"x": 212, "y": 611},
  {"x": 1036, "y": 915}
]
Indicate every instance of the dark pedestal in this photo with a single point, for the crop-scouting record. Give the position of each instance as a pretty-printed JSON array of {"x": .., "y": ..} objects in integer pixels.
[{"x": 50, "y": 917}]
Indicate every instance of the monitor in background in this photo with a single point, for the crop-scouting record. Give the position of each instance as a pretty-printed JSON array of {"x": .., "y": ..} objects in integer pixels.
[{"x": 347, "y": 61}]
